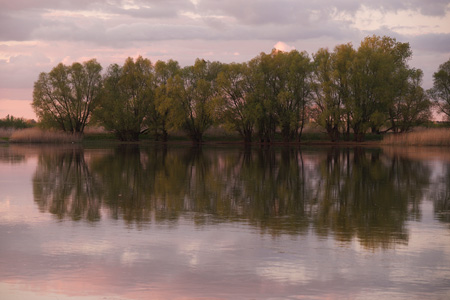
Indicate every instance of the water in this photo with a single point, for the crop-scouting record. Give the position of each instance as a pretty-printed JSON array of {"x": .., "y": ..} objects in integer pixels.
[{"x": 150, "y": 222}]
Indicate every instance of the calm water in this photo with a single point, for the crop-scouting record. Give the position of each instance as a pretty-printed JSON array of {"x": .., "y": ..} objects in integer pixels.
[{"x": 222, "y": 223}]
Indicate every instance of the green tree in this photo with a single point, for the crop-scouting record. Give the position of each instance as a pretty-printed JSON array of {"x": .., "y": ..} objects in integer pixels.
[
  {"x": 374, "y": 85},
  {"x": 239, "y": 108},
  {"x": 293, "y": 100},
  {"x": 66, "y": 97},
  {"x": 14, "y": 122},
  {"x": 269, "y": 77},
  {"x": 282, "y": 90},
  {"x": 127, "y": 101},
  {"x": 441, "y": 88},
  {"x": 163, "y": 72},
  {"x": 413, "y": 106},
  {"x": 193, "y": 98},
  {"x": 332, "y": 73}
]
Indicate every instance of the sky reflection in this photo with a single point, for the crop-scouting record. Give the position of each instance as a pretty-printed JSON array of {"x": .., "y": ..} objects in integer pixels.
[{"x": 212, "y": 242}]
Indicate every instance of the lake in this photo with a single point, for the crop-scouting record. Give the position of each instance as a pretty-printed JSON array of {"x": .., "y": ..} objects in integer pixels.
[{"x": 217, "y": 222}]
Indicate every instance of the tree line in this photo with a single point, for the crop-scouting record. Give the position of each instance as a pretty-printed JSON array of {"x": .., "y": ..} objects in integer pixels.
[
  {"x": 347, "y": 90},
  {"x": 11, "y": 122}
]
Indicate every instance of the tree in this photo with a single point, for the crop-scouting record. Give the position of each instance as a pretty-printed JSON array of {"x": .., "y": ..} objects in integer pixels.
[
  {"x": 441, "y": 88},
  {"x": 239, "y": 111},
  {"x": 293, "y": 100},
  {"x": 193, "y": 98},
  {"x": 374, "y": 83},
  {"x": 267, "y": 87},
  {"x": 14, "y": 122},
  {"x": 163, "y": 72},
  {"x": 331, "y": 88},
  {"x": 282, "y": 90},
  {"x": 413, "y": 106},
  {"x": 66, "y": 97},
  {"x": 126, "y": 102}
]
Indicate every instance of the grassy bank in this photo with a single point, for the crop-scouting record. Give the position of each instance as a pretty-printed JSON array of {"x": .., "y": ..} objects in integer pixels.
[
  {"x": 36, "y": 135},
  {"x": 95, "y": 136},
  {"x": 5, "y": 133},
  {"x": 426, "y": 137}
]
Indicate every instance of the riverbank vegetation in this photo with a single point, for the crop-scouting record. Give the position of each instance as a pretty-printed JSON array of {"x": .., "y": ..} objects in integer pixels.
[
  {"x": 37, "y": 135},
  {"x": 426, "y": 137},
  {"x": 10, "y": 124},
  {"x": 348, "y": 92}
]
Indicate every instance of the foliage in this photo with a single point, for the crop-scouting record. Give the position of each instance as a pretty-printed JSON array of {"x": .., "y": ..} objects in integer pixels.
[
  {"x": 239, "y": 106},
  {"x": 413, "y": 107},
  {"x": 193, "y": 98},
  {"x": 371, "y": 87},
  {"x": 375, "y": 82},
  {"x": 66, "y": 97},
  {"x": 15, "y": 123},
  {"x": 441, "y": 88},
  {"x": 348, "y": 92},
  {"x": 163, "y": 72},
  {"x": 282, "y": 87},
  {"x": 127, "y": 99},
  {"x": 331, "y": 88}
]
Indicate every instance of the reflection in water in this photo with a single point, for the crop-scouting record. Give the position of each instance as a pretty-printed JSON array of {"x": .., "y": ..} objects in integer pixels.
[
  {"x": 63, "y": 185},
  {"x": 347, "y": 193},
  {"x": 128, "y": 181},
  {"x": 442, "y": 197},
  {"x": 365, "y": 194},
  {"x": 8, "y": 155}
]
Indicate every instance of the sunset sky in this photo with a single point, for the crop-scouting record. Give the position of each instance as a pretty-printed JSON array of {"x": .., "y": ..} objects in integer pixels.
[{"x": 36, "y": 35}]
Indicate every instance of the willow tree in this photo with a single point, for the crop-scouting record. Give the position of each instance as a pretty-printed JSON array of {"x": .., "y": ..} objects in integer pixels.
[
  {"x": 294, "y": 99},
  {"x": 332, "y": 73},
  {"x": 413, "y": 107},
  {"x": 127, "y": 98},
  {"x": 66, "y": 96},
  {"x": 282, "y": 90},
  {"x": 193, "y": 97},
  {"x": 163, "y": 72},
  {"x": 239, "y": 107},
  {"x": 269, "y": 77},
  {"x": 374, "y": 83},
  {"x": 441, "y": 88}
]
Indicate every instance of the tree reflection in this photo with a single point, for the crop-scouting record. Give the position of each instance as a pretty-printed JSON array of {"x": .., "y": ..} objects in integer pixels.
[
  {"x": 276, "y": 190},
  {"x": 347, "y": 193},
  {"x": 360, "y": 194},
  {"x": 442, "y": 196},
  {"x": 129, "y": 175},
  {"x": 64, "y": 185},
  {"x": 11, "y": 156}
]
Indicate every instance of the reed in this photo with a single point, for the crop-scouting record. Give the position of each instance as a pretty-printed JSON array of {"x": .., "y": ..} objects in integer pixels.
[
  {"x": 6, "y": 132},
  {"x": 36, "y": 135},
  {"x": 427, "y": 137}
]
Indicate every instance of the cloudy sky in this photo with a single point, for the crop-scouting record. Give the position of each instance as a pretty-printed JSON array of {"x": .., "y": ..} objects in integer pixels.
[{"x": 36, "y": 35}]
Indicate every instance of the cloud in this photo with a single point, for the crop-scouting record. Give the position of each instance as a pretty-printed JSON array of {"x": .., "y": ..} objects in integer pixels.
[
  {"x": 111, "y": 30},
  {"x": 111, "y": 22},
  {"x": 17, "y": 27},
  {"x": 283, "y": 47},
  {"x": 431, "y": 42},
  {"x": 20, "y": 70},
  {"x": 428, "y": 8}
]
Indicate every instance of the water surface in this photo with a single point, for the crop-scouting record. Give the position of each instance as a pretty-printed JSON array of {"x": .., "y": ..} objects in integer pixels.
[{"x": 150, "y": 222}]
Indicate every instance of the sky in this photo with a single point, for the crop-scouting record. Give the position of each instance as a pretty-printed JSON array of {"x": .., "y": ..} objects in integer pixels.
[{"x": 37, "y": 35}]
